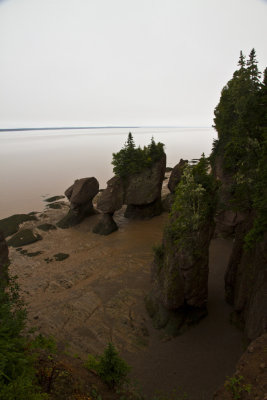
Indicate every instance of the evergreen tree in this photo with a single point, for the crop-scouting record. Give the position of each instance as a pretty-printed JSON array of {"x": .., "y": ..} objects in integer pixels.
[{"x": 241, "y": 123}]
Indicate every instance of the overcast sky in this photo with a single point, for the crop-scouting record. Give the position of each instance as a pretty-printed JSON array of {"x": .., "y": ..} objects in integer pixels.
[{"x": 122, "y": 62}]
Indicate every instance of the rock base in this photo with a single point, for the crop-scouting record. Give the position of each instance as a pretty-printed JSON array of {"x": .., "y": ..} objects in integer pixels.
[
  {"x": 174, "y": 322},
  {"x": 144, "y": 211},
  {"x": 76, "y": 215},
  {"x": 105, "y": 225}
]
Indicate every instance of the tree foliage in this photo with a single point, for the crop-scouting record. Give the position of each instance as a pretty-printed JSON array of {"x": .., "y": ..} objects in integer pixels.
[
  {"x": 193, "y": 205},
  {"x": 241, "y": 123},
  {"x": 132, "y": 160},
  {"x": 17, "y": 371},
  {"x": 112, "y": 369}
]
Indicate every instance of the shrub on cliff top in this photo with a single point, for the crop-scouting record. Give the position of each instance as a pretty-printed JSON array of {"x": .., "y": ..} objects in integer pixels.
[{"x": 132, "y": 160}]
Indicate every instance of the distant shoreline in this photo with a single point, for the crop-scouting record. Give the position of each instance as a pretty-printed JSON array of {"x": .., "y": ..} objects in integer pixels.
[{"x": 96, "y": 127}]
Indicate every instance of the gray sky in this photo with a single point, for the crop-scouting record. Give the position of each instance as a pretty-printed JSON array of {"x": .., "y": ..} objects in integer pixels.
[{"x": 122, "y": 62}]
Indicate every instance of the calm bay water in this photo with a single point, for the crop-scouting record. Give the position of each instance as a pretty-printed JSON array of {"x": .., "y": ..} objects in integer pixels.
[{"x": 38, "y": 164}]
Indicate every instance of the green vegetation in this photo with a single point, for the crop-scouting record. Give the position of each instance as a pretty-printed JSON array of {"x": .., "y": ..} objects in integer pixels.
[
  {"x": 241, "y": 123},
  {"x": 17, "y": 372},
  {"x": 193, "y": 205},
  {"x": 236, "y": 386},
  {"x": 110, "y": 367},
  {"x": 132, "y": 160}
]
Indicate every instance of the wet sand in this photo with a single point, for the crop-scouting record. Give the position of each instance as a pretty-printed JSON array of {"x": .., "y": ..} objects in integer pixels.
[{"x": 97, "y": 295}]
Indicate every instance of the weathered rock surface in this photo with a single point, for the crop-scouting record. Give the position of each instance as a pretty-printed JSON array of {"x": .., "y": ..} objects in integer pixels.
[
  {"x": 145, "y": 188},
  {"x": 82, "y": 191},
  {"x": 111, "y": 198},
  {"x": 4, "y": 261},
  {"x": 176, "y": 175},
  {"x": 180, "y": 283},
  {"x": 76, "y": 215},
  {"x": 246, "y": 284},
  {"x": 246, "y": 274},
  {"x": 105, "y": 225},
  {"x": 167, "y": 202},
  {"x": 144, "y": 211},
  {"x": 80, "y": 195},
  {"x": 250, "y": 378}
]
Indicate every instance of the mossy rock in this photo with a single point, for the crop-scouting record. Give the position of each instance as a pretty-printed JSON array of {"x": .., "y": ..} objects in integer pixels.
[
  {"x": 33, "y": 254},
  {"x": 54, "y": 198},
  {"x": 56, "y": 205},
  {"x": 10, "y": 225},
  {"x": 46, "y": 227},
  {"x": 24, "y": 237},
  {"x": 61, "y": 256}
]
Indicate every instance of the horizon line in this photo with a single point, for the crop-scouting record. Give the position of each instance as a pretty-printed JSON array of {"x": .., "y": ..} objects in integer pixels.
[{"x": 96, "y": 127}]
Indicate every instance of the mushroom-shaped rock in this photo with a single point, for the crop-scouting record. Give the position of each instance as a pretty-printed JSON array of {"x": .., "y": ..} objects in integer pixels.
[
  {"x": 176, "y": 174},
  {"x": 82, "y": 191},
  {"x": 80, "y": 195},
  {"x": 111, "y": 199}
]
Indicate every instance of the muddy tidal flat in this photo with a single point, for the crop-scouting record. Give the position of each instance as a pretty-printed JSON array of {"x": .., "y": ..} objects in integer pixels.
[{"x": 87, "y": 290}]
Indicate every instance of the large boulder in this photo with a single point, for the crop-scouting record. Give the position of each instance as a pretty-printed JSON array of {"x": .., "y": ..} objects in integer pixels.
[
  {"x": 80, "y": 195},
  {"x": 145, "y": 187},
  {"x": 82, "y": 191},
  {"x": 176, "y": 175},
  {"x": 111, "y": 199},
  {"x": 4, "y": 261}
]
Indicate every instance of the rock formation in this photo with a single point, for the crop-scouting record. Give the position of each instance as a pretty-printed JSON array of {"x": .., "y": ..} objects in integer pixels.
[
  {"x": 141, "y": 192},
  {"x": 144, "y": 188},
  {"x": 80, "y": 195},
  {"x": 111, "y": 199},
  {"x": 246, "y": 274},
  {"x": 179, "y": 283},
  {"x": 176, "y": 175},
  {"x": 105, "y": 225},
  {"x": 246, "y": 283}
]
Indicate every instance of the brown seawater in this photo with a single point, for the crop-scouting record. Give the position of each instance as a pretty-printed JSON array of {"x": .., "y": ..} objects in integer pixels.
[{"x": 38, "y": 164}]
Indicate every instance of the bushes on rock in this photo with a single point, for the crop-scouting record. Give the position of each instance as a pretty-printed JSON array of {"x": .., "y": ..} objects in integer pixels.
[
  {"x": 132, "y": 160},
  {"x": 193, "y": 204}
]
